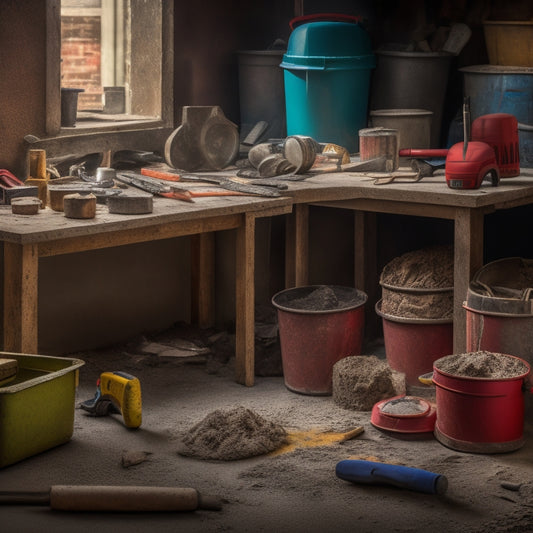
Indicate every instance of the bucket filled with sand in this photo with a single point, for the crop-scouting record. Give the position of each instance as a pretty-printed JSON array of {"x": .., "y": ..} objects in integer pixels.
[
  {"x": 480, "y": 401},
  {"x": 417, "y": 309}
]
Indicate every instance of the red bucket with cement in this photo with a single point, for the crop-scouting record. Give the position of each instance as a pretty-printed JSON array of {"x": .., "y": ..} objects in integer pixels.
[
  {"x": 480, "y": 415},
  {"x": 413, "y": 344},
  {"x": 313, "y": 339}
]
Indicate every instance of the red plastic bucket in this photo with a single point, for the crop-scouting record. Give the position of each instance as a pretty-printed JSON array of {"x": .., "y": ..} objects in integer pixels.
[
  {"x": 312, "y": 341},
  {"x": 499, "y": 332},
  {"x": 479, "y": 415},
  {"x": 411, "y": 344}
]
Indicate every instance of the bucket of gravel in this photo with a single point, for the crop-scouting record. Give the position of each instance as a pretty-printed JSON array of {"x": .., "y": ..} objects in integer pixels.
[{"x": 318, "y": 326}]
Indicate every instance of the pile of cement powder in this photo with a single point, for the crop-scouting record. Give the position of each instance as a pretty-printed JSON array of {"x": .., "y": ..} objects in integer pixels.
[
  {"x": 406, "y": 405},
  {"x": 323, "y": 298},
  {"x": 426, "y": 270},
  {"x": 481, "y": 364},
  {"x": 360, "y": 381},
  {"x": 229, "y": 435}
]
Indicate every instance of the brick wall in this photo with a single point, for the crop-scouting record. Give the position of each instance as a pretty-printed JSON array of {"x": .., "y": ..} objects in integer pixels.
[{"x": 81, "y": 55}]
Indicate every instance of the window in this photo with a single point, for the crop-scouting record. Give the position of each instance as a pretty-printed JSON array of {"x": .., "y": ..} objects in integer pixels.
[
  {"x": 94, "y": 35},
  {"x": 124, "y": 47}
]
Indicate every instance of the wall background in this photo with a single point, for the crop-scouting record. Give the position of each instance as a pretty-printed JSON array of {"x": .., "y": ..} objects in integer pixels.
[{"x": 96, "y": 298}]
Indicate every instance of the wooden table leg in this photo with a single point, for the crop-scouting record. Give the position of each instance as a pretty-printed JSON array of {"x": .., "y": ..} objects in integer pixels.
[
  {"x": 21, "y": 274},
  {"x": 297, "y": 247},
  {"x": 365, "y": 261},
  {"x": 468, "y": 258},
  {"x": 203, "y": 279},
  {"x": 245, "y": 299}
]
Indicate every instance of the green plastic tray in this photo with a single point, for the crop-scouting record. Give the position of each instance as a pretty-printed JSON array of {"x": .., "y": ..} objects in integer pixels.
[{"x": 37, "y": 407}]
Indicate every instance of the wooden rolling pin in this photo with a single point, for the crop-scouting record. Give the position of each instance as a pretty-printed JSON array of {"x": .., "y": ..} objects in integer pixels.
[{"x": 114, "y": 498}]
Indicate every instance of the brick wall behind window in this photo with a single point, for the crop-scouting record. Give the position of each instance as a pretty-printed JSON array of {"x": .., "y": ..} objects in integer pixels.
[{"x": 81, "y": 57}]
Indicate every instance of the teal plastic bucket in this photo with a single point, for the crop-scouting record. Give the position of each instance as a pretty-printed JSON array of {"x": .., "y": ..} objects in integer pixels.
[{"x": 327, "y": 70}]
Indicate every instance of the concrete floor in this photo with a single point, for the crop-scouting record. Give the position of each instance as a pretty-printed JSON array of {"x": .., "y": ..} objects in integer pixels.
[{"x": 294, "y": 492}]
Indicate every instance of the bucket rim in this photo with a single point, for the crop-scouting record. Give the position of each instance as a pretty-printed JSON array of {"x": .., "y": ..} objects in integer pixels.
[
  {"x": 419, "y": 290},
  {"x": 466, "y": 307},
  {"x": 322, "y": 62},
  {"x": 405, "y": 320},
  {"x": 482, "y": 379},
  {"x": 496, "y": 69},
  {"x": 361, "y": 295},
  {"x": 401, "y": 112},
  {"x": 421, "y": 55}
]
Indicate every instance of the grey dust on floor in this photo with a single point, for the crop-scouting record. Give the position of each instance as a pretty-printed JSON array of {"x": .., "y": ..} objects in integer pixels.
[{"x": 185, "y": 377}]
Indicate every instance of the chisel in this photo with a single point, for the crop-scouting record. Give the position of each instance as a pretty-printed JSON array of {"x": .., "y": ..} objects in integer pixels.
[
  {"x": 114, "y": 498},
  {"x": 154, "y": 188},
  {"x": 406, "y": 477}
]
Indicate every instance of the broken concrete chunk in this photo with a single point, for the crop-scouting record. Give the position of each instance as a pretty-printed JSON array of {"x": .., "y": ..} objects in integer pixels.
[
  {"x": 133, "y": 457},
  {"x": 360, "y": 381}
]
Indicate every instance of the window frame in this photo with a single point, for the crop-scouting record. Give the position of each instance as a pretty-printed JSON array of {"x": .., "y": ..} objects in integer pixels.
[{"x": 146, "y": 135}]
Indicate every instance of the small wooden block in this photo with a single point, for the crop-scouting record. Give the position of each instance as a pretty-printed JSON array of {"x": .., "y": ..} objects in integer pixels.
[
  {"x": 28, "y": 205},
  {"x": 79, "y": 205},
  {"x": 8, "y": 368},
  {"x": 131, "y": 204}
]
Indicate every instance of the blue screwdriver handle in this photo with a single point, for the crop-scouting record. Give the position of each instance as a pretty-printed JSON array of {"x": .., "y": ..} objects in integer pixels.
[{"x": 406, "y": 477}]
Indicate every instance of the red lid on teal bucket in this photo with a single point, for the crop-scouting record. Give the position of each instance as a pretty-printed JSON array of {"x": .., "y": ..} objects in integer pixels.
[{"x": 330, "y": 44}]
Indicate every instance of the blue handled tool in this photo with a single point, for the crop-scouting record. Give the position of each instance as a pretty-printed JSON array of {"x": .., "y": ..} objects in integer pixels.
[{"x": 374, "y": 473}]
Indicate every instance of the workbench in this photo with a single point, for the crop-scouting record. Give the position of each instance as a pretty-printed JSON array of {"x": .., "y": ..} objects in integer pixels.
[
  {"x": 430, "y": 197},
  {"x": 28, "y": 238}
]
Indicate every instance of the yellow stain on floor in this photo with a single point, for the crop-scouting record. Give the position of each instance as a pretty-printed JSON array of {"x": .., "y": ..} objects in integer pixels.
[{"x": 309, "y": 439}]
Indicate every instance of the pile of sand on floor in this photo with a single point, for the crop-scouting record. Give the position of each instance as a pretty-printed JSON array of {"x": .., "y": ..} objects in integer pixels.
[
  {"x": 360, "y": 381},
  {"x": 232, "y": 434},
  {"x": 482, "y": 364}
]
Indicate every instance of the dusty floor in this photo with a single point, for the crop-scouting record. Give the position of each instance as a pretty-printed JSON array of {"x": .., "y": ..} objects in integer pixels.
[{"x": 294, "y": 492}]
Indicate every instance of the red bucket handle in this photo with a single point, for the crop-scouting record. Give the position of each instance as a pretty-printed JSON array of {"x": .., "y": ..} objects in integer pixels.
[{"x": 327, "y": 17}]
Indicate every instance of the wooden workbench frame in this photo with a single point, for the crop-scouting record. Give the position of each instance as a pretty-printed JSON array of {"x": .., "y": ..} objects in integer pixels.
[
  {"x": 431, "y": 198},
  {"x": 21, "y": 274}
]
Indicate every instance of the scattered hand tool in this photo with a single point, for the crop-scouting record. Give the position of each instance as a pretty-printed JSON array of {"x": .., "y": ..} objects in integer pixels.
[
  {"x": 384, "y": 178},
  {"x": 378, "y": 164},
  {"x": 466, "y": 124},
  {"x": 405, "y": 477},
  {"x": 120, "y": 393},
  {"x": 114, "y": 498},
  {"x": 7, "y": 179},
  {"x": 266, "y": 188},
  {"x": 103, "y": 178},
  {"x": 145, "y": 184},
  {"x": 424, "y": 153},
  {"x": 12, "y": 187},
  {"x": 426, "y": 168}
]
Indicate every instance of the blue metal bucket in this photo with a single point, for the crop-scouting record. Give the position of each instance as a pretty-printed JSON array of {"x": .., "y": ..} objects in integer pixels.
[{"x": 499, "y": 89}]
